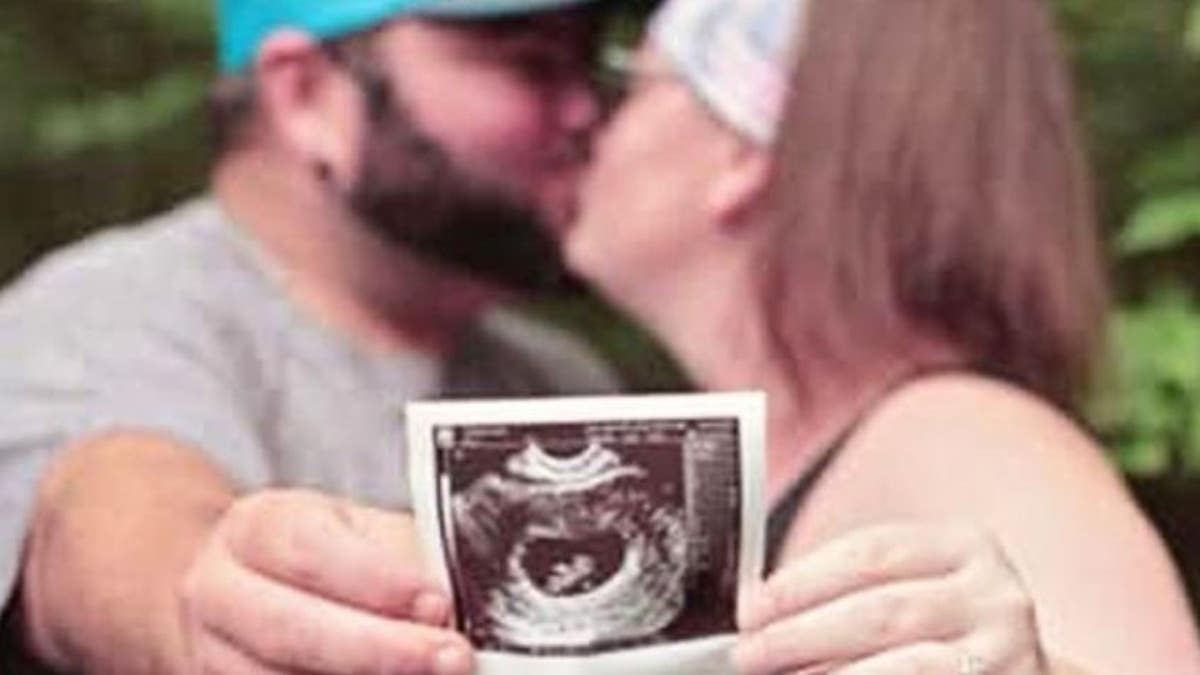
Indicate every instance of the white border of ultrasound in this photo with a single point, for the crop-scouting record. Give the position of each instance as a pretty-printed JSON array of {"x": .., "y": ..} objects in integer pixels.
[{"x": 706, "y": 655}]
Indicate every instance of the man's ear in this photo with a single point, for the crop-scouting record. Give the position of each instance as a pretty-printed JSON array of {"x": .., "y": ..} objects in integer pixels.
[
  {"x": 738, "y": 189},
  {"x": 297, "y": 89}
]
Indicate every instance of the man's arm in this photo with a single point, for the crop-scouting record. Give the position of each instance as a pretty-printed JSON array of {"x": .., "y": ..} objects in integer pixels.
[
  {"x": 141, "y": 558},
  {"x": 117, "y": 522}
]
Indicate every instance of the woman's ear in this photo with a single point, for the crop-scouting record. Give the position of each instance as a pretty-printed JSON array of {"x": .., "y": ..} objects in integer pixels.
[
  {"x": 740, "y": 187},
  {"x": 299, "y": 97}
]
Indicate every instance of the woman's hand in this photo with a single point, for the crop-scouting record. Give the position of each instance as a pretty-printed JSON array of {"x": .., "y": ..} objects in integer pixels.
[{"x": 936, "y": 600}]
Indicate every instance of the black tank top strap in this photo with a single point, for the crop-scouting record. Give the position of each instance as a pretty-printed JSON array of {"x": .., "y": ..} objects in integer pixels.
[
  {"x": 783, "y": 512},
  {"x": 785, "y": 509}
]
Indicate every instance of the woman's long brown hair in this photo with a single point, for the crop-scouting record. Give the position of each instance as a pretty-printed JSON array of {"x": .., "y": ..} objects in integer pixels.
[{"x": 929, "y": 181}]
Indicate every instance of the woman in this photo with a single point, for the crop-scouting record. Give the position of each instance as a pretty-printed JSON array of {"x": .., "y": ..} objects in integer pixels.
[{"x": 879, "y": 217}]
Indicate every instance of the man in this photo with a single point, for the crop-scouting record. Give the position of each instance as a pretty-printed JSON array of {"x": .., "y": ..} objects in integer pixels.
[{"x": 161, "y": 386}]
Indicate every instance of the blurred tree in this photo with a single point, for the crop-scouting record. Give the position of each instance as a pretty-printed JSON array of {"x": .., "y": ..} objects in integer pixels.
[
  {"x": 1140, "y": 68},
  {"x": 102, "y": 121}
]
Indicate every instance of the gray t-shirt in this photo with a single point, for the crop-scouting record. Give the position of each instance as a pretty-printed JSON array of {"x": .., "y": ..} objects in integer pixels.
[{"x": 174, "y": 326}]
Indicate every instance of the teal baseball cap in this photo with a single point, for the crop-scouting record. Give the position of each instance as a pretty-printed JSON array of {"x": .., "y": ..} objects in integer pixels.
[{"x": 242, "y": 25}]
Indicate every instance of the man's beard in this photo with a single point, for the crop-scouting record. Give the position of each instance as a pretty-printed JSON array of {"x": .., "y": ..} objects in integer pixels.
[{"x": 411, "y": 192}]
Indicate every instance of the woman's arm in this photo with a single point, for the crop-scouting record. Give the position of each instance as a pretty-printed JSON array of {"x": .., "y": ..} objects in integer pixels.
[{"x": 963, "y": 449}]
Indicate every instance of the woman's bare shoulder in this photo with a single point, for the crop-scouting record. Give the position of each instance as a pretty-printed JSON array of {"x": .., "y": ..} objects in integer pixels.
[
  {"x": 976, "y": 432},
  {"x": 966, "y": 447},
  {"x": 973, "y": 448}
]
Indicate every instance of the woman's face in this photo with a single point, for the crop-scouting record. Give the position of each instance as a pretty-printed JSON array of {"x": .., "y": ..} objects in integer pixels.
[{"x": 644, "y": 218}]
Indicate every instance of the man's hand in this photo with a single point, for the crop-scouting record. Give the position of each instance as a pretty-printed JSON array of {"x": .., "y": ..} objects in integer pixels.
[
  {"x": 143, "y": 560},
  {"x": 297, "y": 581}
]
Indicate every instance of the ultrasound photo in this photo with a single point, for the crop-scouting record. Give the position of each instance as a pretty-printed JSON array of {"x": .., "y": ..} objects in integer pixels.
[{"x": 579, "y": 536}]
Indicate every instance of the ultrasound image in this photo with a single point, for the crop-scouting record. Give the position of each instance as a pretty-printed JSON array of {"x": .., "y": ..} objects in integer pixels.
[{"x": 580, "y": 538}]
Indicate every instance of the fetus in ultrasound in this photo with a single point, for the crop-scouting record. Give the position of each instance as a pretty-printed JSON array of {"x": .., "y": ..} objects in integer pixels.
[{"x": 568, "y": 540}]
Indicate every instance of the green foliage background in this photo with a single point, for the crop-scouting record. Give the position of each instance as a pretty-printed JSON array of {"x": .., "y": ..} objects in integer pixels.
[
  {"x": 1138, "y": 68},
  {"x": 102, "y": 122}
]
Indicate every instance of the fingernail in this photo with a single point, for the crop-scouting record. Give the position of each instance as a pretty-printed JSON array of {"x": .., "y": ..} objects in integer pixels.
[
  {"x": 431, "y": 608},
  {"x": 452, "y": 661}
]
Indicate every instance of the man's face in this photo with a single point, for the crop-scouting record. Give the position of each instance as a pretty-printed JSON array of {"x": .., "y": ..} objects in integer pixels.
[
  {"x": 509, "y": 100},
  {"x": 475, "y": 130}
]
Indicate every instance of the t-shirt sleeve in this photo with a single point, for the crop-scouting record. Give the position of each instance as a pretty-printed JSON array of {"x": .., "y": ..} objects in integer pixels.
[{"x": 76, "y": 363}]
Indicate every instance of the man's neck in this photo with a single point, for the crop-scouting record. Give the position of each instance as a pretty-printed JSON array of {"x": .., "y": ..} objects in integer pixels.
[{"x": 335, "y": 268}]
